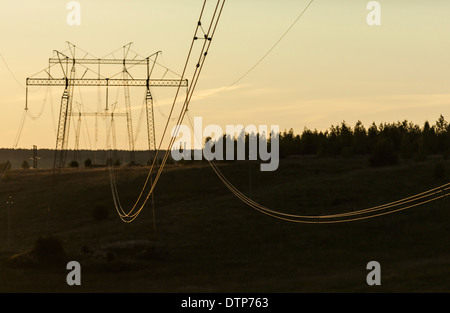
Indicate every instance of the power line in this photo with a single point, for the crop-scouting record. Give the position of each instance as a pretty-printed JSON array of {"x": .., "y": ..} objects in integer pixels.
[
  {"x": 4, "y": 167},
  {"x": 393, "y": 207},
  {"x": 130, "y": 216},
  {"x": 352, "y": 216},
  {"x": 122, "y": 214},
  {"x": 264, "y": 56},
  {"x": 19, "y": 132},
  {"x": 10, "y": 71}
]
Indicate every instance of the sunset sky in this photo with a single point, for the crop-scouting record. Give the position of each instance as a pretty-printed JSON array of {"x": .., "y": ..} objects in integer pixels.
[{"x": 332, "y": 66}]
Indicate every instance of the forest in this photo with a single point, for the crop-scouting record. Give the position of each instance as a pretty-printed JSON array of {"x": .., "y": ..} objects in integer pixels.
[{"x": 386, "y": 143}]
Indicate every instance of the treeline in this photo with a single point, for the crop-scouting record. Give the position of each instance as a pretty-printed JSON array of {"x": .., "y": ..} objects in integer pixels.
[{"x": 385, "y": 143}]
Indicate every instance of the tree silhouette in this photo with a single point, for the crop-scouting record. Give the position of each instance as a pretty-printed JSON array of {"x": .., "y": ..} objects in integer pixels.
[{"x": 385, "y": 142}]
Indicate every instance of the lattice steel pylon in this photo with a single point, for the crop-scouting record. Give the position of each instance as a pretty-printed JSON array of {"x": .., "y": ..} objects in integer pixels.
[
  {"x": 150, "y": 121},
  {"x": 64, "y": 121},
  {"x": 94, "y": 75}
]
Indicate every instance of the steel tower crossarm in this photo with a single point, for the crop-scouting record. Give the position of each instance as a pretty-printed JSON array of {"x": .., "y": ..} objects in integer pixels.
[
  {"x": 94, "y": 61},
  {"x": 113, "y": 82},
  {"x": 93, "y": 73}
]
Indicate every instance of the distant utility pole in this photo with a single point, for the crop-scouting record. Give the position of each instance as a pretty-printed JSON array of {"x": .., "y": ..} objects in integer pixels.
[{"x": 35, "y": 157}]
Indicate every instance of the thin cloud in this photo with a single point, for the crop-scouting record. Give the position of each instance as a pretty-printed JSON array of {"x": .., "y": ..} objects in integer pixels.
[{"x": 206, "y": 93}]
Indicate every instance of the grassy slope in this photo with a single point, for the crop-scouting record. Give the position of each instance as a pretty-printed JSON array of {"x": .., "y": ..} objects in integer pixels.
[{"x": 208, "y": 241}]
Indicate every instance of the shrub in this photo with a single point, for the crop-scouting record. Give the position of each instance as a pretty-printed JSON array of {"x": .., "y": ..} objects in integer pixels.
[
  {"x": 112, "y": 162},
  {"x": 74, "y": 164},
  {"x": 88, "y": 163},
  {"x": 25, "y": 165}
]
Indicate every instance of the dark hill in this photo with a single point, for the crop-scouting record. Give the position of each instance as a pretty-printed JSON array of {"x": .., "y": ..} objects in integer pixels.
[{"x": 206, "y": 240}]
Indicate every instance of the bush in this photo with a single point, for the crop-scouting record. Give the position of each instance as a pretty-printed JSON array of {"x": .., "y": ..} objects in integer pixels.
[
  {"x": 74, "y": 164},
  {"x": 25, "y": 165},
  {"x": 88, "y": 163}
]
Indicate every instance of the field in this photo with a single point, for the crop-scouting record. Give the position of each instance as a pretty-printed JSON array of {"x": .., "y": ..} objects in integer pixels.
[{"x": 206, "y": 240}]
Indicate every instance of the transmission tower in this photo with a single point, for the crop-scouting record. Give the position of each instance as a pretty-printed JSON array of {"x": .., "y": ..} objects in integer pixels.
[{"x": 92, "y": 72}]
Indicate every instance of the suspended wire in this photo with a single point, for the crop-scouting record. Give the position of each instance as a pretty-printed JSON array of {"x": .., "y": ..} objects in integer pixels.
[
  {"x": 207, "y": 43},
  {"x": 123, "y": 216},
  {"x": 23, "y": 119},
  {"x": 435, "y": 194},
  {"x": 11, "y": 72},
  {"x": 87, "y": 134},
  {"x": 263, "y": 57},
  {"x": 44, "y": 103},
  {"x": 141, "y": 118},
  {"x": 41, "y": 110},
  {"x": 130, "y": 216},
  {"x": 113, "y": 185},
  {"x": 19, "y": 132},
  {"x": 199, "y": 67},
  {"x": 4, "y": 169},
  {"x": 155, "y": 102},
  {"x": 46, "y": 70},
  {"x": 157, "y": 63},
  {"x": 77, "y": 47},
  {"x": 389, "y": 208},
  {"x": 142, "y": 61},
  {"x": 377, "y": 211},
  {"x": 321, "y": 219}
]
